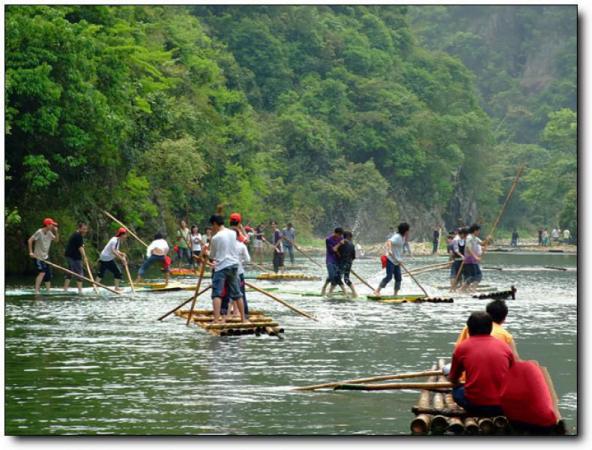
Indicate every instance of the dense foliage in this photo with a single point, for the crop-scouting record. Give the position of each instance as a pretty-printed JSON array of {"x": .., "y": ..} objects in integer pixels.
[
  {"x": 525, "y": 63},
  {"x": 318, "y": 115}
]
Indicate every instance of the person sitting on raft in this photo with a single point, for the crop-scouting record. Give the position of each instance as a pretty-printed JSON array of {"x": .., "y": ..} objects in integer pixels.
[
  {"x": 498, "y": 310},
  {"x": 529, "y": 402},
  {"x": 394, "y": 255},
  {"x": 486, "y": 362},
  {"x": 156, "y": 251}
]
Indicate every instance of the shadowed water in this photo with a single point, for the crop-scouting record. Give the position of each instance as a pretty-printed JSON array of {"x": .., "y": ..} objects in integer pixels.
[{"x": 105, "y": 365}]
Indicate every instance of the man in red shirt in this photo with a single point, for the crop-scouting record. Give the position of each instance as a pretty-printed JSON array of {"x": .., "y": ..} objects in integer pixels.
[{"x": 486, "y": 362}]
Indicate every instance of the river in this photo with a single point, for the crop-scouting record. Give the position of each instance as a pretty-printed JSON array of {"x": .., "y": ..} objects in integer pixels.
[{"x": 105, "y": 365}]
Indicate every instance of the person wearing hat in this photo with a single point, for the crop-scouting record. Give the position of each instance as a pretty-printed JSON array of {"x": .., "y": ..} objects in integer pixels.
[
  {"x": 108, "y": 255},
  {"x": 42, "y": 239},
  {"x": 236, "y": 225}
]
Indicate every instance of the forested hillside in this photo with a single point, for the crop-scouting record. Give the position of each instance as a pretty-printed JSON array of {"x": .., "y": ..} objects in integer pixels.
[
  {"x": 524, "y": 61},
  {"x": 358, "y": 116}
]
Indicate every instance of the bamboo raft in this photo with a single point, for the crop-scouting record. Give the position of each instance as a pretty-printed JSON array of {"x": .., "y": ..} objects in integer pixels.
[
  {"x": 286, "y": 276},
  {"x": 259, "y": 324},
  {"x": 415, "y": 298},
  {"x": 437, "y": 413},
  {"x": 502, "y": 295}
]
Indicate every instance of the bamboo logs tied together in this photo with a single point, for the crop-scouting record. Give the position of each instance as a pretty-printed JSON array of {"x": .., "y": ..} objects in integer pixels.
[{"x": 437, "y": 413}]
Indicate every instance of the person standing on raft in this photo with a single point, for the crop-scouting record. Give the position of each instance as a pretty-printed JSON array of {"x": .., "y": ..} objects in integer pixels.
[
  {"x": 347, "y": 254},
  {"x": 225, "y": 257},
  {"x": 332, "y": 261},
  {"x": 278, "y": 248},
  {"x": 289, "y": 236},
  {"x": 42, "y": 239},
  {"x": 74, "y": 255},
  {"x": 156, "y": 251},
  {"x": 108, "y": 255},
  {"x": 394, "y": 256}
]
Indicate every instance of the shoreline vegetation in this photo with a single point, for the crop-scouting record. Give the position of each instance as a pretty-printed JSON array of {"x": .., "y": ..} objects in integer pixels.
[{"x": 354, "y": 116}]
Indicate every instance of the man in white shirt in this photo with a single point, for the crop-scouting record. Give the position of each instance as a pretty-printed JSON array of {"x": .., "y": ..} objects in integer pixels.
[
  {"x": 108, "y": 255},
  {"x": 243, "y": 258},
  {"x": 394, "y": 255},
  {"x": 156, "y": 251},
  {"x": 224, "y": 254}
]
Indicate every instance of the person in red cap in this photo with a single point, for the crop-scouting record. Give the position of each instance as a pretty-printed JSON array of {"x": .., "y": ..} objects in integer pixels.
[
  {"x": 108, "y": 255},
  {"x": 42, "y": 239},
  {"x": 236, "y": 225}
]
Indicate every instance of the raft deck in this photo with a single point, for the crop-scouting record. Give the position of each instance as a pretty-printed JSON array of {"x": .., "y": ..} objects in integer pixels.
[
  {"x": 436, "y": 413},
  {"x": 258, "y": 324},
  {"x": 287, "y": 277}
]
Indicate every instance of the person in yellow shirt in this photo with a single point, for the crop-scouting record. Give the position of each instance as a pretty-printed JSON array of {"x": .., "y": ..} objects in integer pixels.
[{"x": 498, "y": 310}]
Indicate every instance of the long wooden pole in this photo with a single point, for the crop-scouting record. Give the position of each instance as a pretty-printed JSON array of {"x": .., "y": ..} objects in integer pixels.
[
  {"x": 389, "y": 386},
  {"x": 493, "y": 228},
  {"x": 413, "y": 278},
  {"x": 129, "y": 276},
  {"x": 184, "y": 303},
  {"x": 126, "y": 227},
  {"x": 201, "y": 273},
  {"x": 81, "y": 276},
  {"x": 401, "y": 376},
  {"x": 362, "y": 280},
  {"x": 279, "y": 300},
  {"x": 90, "y": 274}
]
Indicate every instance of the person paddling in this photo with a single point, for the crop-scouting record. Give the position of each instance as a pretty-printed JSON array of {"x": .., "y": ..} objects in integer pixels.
[
  {"x": 108, "y": 255},
  {"x": 289, "y": 236},
  {"x": 458, "y": 255},
  {"x": 196, "y": 243},
  {"x": 394, "y": 256},
  {"x": 332, "y": 261},
  {"x": 42, "y": 239},
  {"x": 157, "y": 251},
  {"x": 225, "y": 261},
  {"x": 243, "y": 258},
  {"x": 75, "y": 255},
  {"x": 278, "y": 248},
  {"x": 347, "y": 254},
  {"x": 471, "y": 270}
]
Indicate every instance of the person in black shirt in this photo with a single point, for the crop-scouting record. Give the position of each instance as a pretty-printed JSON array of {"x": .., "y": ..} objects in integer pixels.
[
  {"x": 74, "y": 255},
  {"x": 347, "y": 254}
]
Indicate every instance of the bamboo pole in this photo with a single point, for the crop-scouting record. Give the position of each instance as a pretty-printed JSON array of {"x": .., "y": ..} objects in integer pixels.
[
  {"x": 126, "y": 227},
  {"x": 493, "y": 228},
  {"x": 90, "y": 274},
  {"x": 414, "y": 279},
  {"x": 81, "y": 276},
  {"x": 361, "y": 279},
  {"x": 401, "y": 376},
  {"x": 279, "y": 300},
  {"x": 201, "y": 272},
  {"x": 393, "y": 386},
  {"x": 184, "y": 303},
  {"x": 129, "y": 276}
]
